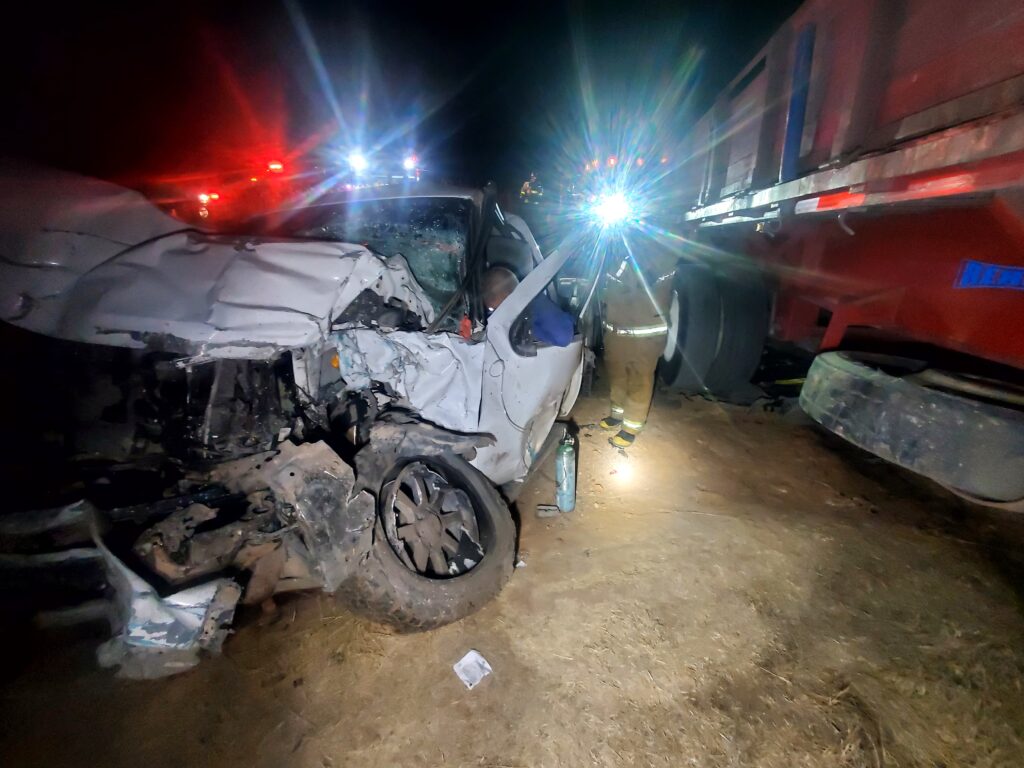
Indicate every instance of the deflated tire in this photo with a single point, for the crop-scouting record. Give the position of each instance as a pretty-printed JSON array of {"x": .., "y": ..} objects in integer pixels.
[{"x": 443, "y": 546}]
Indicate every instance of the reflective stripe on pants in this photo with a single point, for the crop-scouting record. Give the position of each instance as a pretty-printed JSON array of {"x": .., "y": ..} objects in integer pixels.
[{"x": 658, "y": 329}]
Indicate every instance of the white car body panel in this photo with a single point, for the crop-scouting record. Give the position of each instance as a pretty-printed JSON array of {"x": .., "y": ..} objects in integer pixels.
[
  {"x": 522, "y": 395},
  {"x": 438, "y": 375}
]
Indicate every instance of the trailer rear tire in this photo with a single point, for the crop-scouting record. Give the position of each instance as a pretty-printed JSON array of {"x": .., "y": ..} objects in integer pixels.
[
  {"x": 745, "y": 318},
  {"x": 695, "y": 325},
  {"x": 970, "y": 445},
  {"x": 717, "y": 329}
]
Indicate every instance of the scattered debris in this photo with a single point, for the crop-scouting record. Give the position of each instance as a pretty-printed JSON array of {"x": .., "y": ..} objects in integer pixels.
[
  {"x": 548, "y": 510},
  {"x": 842, "y": 501},
  {"x": 520, "y": 563},
  {"x": 311, "y": 485},
  {"x": 471, "y": 669}
]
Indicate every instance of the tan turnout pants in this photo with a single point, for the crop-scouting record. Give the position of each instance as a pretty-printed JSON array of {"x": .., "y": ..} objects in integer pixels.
[{"x": 630, "y": 362}]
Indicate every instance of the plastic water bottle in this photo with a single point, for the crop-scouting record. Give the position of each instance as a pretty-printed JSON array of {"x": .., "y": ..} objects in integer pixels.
[{"x": 565, "y": 474}]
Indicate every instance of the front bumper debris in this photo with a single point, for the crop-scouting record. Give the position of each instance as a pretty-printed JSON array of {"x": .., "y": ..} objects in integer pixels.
[
  {"x": 156, "y": 637},
  {"x": 306, "y": 526}
]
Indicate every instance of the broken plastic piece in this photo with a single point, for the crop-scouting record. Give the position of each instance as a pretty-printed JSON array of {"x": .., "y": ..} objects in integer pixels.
[
  {"x": 155, "y": 636},
  {"x": 471, "y": 669}
]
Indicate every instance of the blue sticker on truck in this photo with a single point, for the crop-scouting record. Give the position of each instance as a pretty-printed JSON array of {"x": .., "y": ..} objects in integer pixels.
[{"x": 979, "y": 274}]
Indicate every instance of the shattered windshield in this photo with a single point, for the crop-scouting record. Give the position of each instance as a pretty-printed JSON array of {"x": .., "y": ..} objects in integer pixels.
[{"x": 431, "y": 233}]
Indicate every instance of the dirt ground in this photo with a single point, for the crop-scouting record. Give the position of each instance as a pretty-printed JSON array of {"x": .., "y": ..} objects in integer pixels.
[{"x": 741, "y": 591}]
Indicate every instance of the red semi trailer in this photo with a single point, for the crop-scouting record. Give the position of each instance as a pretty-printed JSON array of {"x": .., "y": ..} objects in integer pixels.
[{"x": 858, "y": 191}]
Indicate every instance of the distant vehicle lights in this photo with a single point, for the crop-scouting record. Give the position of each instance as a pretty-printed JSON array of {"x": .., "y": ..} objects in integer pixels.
[
  {"x": 379, "y": 167},
  {"x": 358, "y": 162},
  {"x": 612, "y": 161}
]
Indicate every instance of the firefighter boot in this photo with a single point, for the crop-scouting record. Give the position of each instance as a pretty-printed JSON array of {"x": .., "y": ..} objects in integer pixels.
[
  {"x": 624, "y": 439},
  {"x": 612, "y": 422}
]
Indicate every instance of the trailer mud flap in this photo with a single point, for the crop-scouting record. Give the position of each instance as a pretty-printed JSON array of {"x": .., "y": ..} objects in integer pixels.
[{"x": 971, "y": 446}]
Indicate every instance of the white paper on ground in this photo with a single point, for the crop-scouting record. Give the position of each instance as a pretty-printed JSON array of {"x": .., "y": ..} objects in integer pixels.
[{"x": 472, "y": 668}]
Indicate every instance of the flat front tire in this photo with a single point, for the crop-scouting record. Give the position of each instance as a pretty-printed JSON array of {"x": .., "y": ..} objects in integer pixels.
[{"x": 443, "y": 546}]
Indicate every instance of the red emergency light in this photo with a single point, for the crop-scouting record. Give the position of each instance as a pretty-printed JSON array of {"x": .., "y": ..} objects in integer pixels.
[{"x": 275, "y": 166}]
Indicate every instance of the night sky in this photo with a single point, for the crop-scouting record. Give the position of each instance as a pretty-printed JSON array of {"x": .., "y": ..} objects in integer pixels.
[{"x": 483, "y": 91}]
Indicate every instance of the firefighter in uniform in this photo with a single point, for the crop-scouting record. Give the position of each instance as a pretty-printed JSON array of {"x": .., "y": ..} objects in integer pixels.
[
  {"x": 529, "y": 189},
  {"x": 636, "y": 298}
]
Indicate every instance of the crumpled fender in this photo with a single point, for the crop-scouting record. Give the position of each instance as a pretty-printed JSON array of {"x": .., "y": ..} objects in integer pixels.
[
  {"x": 318, "y": 493},
  {"x": 404, "y": 435}
]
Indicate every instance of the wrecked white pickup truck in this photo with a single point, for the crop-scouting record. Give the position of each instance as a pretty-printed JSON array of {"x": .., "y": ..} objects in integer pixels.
[{"x": 320, "y": 402}]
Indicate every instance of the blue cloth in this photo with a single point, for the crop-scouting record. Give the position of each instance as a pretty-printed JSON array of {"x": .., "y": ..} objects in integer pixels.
[{"x": 551, "y": 324}]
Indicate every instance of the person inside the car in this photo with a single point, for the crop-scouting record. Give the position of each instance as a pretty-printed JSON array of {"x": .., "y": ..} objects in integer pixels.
[
  {"x": 496, "y": 286},
  {"x": 549, "y": 323}
]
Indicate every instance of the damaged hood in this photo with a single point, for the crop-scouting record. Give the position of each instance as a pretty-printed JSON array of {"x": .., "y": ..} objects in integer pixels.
[{"x": 84, "y": 260}]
